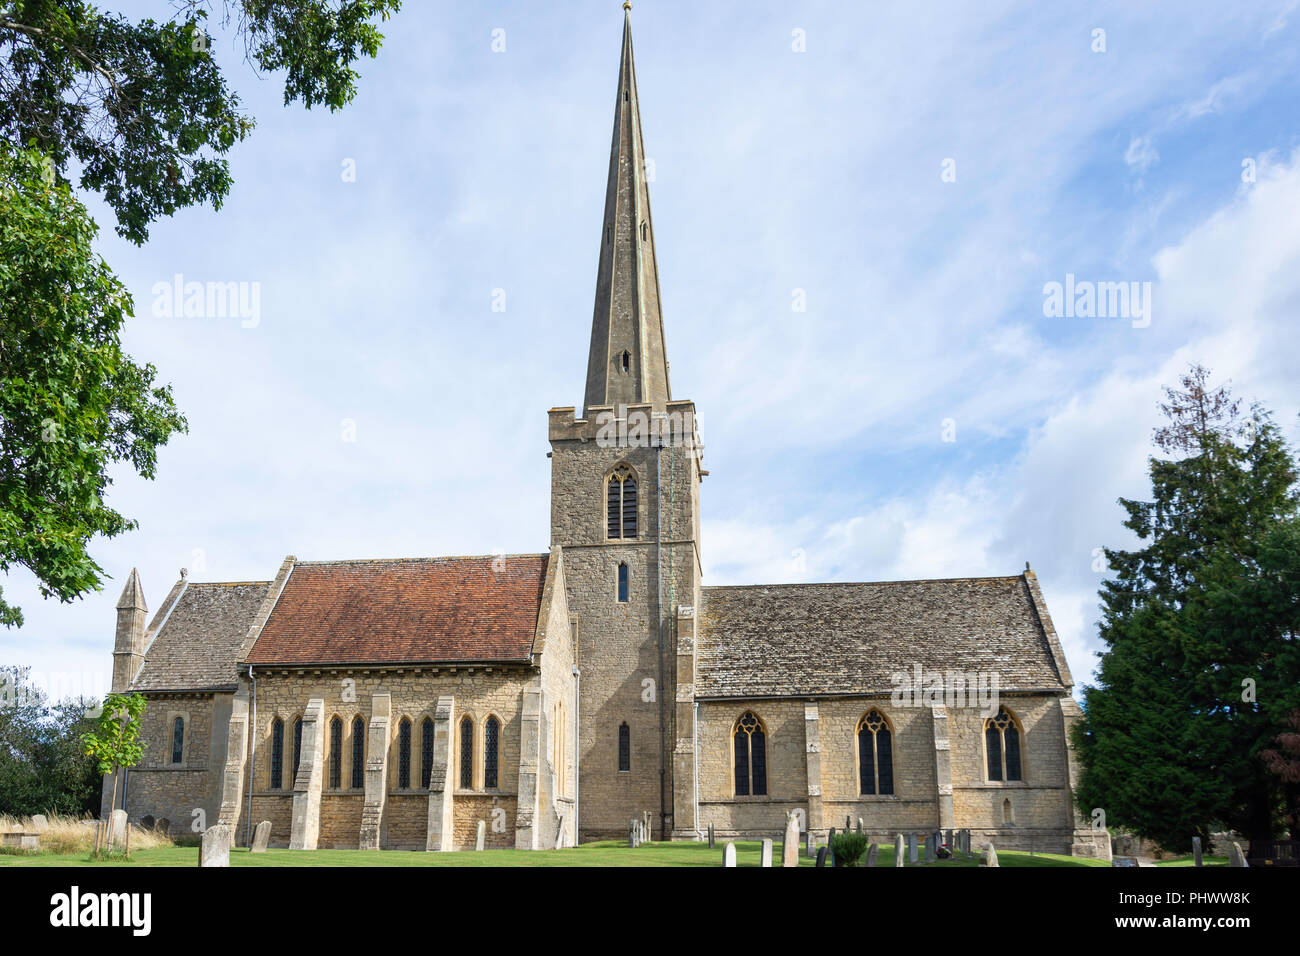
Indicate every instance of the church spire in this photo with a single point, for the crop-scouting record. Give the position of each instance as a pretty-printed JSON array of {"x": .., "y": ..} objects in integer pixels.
[{"x": 628, "y": 361}]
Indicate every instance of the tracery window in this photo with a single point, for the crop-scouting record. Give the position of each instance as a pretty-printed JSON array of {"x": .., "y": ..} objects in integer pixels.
[
  {"x": 426, "y": 753},
  {"x": 749, "y": 742},
  {"x": 466, "y": 753},
  {"x": 404, "y": 754},
  {"x": 491, "y": 741},
  {"x": 358, "y": 753},
  {"x": 336, "y": 753},
  {"x": 1002, "y": 746},
  {"x": 621, "y": 502},
  {"x": 875, "y": 755},
  {"x": 277, "y": 753},
  {"x": 178, "y": 739}
]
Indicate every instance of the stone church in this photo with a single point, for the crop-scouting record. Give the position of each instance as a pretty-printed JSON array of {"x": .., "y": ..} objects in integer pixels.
[{"x": 395, "y": 704}]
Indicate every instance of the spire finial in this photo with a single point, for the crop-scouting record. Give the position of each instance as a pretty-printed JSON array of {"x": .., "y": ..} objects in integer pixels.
[{"x": 627, "y": 4}]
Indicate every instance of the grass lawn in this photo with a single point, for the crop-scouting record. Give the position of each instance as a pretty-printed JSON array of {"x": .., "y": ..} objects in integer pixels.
[
  {"x": 609, "y": 853},
  {"x": 1190, "y": 861}
]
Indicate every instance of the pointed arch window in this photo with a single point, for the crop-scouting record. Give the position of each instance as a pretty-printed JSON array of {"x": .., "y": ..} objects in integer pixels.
[
  {"x": 621, "y": 504},
  {"x": 624, "y": 748},
  {"x": 622, "y": 583},
  {"x": 178, "y": 740},
  {"x": 426, "y": 753},
  {"x": 404, "y": 754},
  {"x": 1002, "y": 746},
  {"x": 466, "y": 753},
  {"x": 277, "y": 753},
  {"x": 749, "y": 743},
  {"x": 491, "y": 742},
  {"x": 875, "y": 755},
  {"x": 625, "y": 362},
  {"x": 358, "y": 753},
  {"x": 336, "y": 753},
  {"x": 297, "y": 745}
]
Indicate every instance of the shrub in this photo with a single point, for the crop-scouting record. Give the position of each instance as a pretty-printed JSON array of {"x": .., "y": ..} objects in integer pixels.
[{"x": 849, "y": 847}]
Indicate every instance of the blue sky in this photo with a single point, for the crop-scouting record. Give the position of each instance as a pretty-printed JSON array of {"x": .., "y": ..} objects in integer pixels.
[{"x": 775, "y": 170}]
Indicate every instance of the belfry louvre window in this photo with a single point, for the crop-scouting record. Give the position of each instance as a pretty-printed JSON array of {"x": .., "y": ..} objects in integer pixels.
[
  {"x": 491, "y": 741},
  {"x": 277, "y": 753},
  {"x": 624, "y": 748},
  {"x": 297, "y": 745},
  {"x": 426, "y": 752},
  {"x": 336, "y": 754},
  {"x": 1002, "y": 744},
  {"x": 404, "y": 755},
  {"x": 875, "y": 755},
  {"x": 466, "y": 754},
  {"x": 358, "y": 753},
  {"x": 749, "y": 741},
  {"x": 620, "y": 504},
  {"x": 178, "y": 739}
]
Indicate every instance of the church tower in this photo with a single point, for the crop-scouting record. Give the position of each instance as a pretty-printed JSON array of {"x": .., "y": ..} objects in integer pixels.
[{"x": 625, "y": 483}]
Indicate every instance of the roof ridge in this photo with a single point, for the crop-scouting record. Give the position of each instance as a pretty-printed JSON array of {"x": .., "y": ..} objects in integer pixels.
[
  {"x": 815, "y": 584},
  {"x": 448, "y": 557}
]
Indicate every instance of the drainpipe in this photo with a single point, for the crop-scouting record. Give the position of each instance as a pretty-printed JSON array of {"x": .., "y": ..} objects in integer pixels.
[
  {"x": 695, "y": 733},
  {"x": 252, "y": 762},
  {"x": 577, "y": 746},
  {"x": 659, "y": 611}
]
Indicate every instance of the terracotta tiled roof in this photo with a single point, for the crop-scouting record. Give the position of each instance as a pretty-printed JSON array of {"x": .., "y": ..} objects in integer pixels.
[
  {"x": 809, "y": 639},
  {"x": 197, "y": 637},
  {"x": 419, "y": 610}
]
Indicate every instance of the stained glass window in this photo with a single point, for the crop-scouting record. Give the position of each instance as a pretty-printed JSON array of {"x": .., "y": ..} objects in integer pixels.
[
  {"x": 336, "y": 754},
  {"x": 426, "y": 752},
  {"x": 750, "y": 745},
  {"x": 277, "y": 753},
  {"x": 491, "y": 739},
  {"x": 404, "y": 755},
  {"x": 358, "y": 753},
  {"x": 1002, "y": 744},
  {"x": 466, "y": 754},
  {"x": 875, "y": 755}
]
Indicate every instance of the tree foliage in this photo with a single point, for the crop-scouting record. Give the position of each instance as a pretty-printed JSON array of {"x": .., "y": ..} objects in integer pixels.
[
  {"x": 42, "y": 766},
  {"x": 1202, "y": 630},
  {"x": 139, "y": 112}
]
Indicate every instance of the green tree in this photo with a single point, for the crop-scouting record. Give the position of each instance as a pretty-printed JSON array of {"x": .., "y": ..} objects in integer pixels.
[
  {"x": 1202, "y": 661},
  {"x": 42, "y": 766},
  {"x": 114, "y": 742},
  {"x": 140, "y": 113}
]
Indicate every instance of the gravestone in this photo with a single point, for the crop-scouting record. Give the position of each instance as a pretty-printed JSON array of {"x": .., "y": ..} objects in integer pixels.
[
  {"x": 848, "y": 824},
  {"x": 811, "y": 843},
  {"x": 766, "y": 859},
  {"x": 215, "y": 848},
  {"x": 830, "y": 846},
  {"x": 821, "y": 856},
  {"x": 117, "y": 831},
  {"x": 859, "y": 824},
  {"x": 261, "y": 837},
  {"x": 988, "y": 856},
  {"x": 1196, "y": 851},
  {"x": 911, "y": 848},
  {"x": 790, "y": 847},
  {"x": 929, "y": 848},
  {"x": 898, "y": 850},
  {"x": 163, "y": 826},
  {"x": 729, "y": 855},
  {"x": 711, "y": 845},
  {"x": 947, "y": 839},
  {"x": 871, "y": 854},
  {"x": 480, "y": 837},
  {"x": 39, "y": 823},
  {"x": 631, "y": 834},
  {"x": 1235, "y": 855}
]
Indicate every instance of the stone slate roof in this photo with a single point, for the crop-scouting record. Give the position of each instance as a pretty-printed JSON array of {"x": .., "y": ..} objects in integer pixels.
[
  {"x": 418, "y": 610},
  {"x": 198, "y": 637},
  {"x": 811, "y": 639}
]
